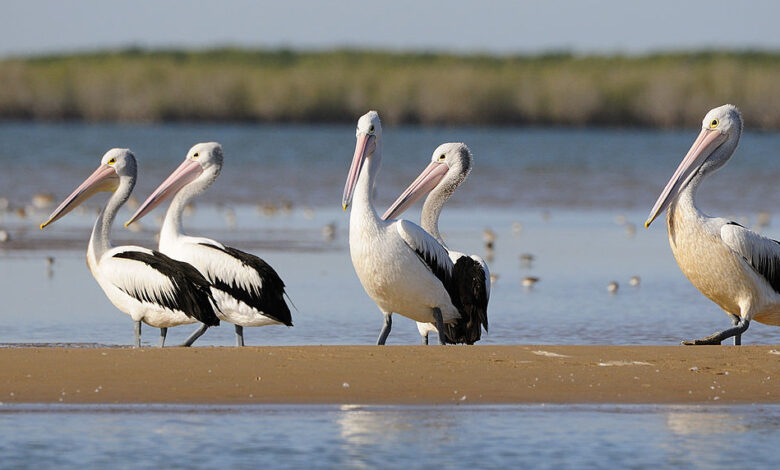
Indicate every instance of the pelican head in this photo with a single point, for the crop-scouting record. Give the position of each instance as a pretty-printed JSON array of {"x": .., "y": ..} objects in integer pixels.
[
  {"x": 203, "y": 163},
  {"x": 719, "y": 136},
  {"x": 116, "y": 166},
  {"x": 368, "y": 134},
  {"x": 450, "y": 165}
]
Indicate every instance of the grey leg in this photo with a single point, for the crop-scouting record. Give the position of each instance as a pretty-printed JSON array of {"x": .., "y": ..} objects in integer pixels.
[
  {"x": 388, "y": 325},
  {"x": 163, "y": 333},
  {"x": 738, "y": 337},
  {"x": 735, "y": 331},
  {"x": 439, "y": 324},
  {"x": 239, "y": 335},
  {"x": 195, "y": 335},
  {"x": 137, "y": 334},
  {"x": 425, "y": 339}
]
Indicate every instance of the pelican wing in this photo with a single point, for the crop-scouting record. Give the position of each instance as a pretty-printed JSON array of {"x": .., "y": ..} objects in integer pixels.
[
  {"x": 471, "y": 286},
  {"x": 245, "y": 277},
  {"x": 152, "y": 277},
  {"x": 761, "y": 253},
  {"x": 433, "y": 255},
  {"x": 486, "y": 274}
]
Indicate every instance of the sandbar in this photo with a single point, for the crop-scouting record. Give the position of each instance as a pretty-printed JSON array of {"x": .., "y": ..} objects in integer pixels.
[{"x": 402, "y": 375}]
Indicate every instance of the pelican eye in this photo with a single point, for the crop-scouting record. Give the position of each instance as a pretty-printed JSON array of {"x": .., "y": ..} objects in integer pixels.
[
  {"x": 112, "y": 161},
  {"x": 442, "y": 157},
  {"x": 714, "y": 123},
  {"x": 371, "y": 128},
  {"x": 195, "y": 155}
]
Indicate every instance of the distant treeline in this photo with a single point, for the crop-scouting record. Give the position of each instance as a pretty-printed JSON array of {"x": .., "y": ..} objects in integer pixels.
[{"x": 665, "y": 90}]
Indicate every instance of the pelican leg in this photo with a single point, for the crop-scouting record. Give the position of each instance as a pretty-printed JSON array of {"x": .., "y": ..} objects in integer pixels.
[
  {"x": 734, "y": 331},
  {"x": 425, "y": 339},
  {"x": 738, "y": 337},
  {"x": 195, "y": 335},
  {"x": 163, "y": 333},
  {"x": 439, "y": 325},
  {"x": 239, "y": 335},
  {"x": 137, "y": 331},
  {"x": 388, "y": 325}
]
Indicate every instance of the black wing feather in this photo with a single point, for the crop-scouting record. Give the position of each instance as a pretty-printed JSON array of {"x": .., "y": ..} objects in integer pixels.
[
  {"x": 468, "y": 280},
  {"x": 468, "y": 293},
  {"x": 441, "y": 273},
  {"x": 269, "y": 299},
  {"x": 191, "y": 291},
  {"x": 768, "y": 267}
]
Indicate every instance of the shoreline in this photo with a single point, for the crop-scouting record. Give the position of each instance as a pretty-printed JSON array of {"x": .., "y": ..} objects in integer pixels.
[
  {"x": 392, "y": 375},
  {"x": 561, "y": 89}
]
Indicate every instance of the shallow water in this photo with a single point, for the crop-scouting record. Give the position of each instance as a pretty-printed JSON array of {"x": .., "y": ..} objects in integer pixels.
[
  {"x": 559, "y": 436},
  {"x": 577, "y": 253},
  {"x": 307, "y": 165}
]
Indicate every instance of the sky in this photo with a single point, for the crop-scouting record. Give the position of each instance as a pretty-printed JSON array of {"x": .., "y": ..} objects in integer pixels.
[{"x": 32, "y": 27}]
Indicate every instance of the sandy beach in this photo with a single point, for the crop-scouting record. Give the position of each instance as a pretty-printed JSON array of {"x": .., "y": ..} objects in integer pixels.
[{"x": 392, "y": 375}]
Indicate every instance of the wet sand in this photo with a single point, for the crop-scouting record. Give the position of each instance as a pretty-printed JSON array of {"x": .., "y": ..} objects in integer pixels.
[{"x": 392, "y": 374}]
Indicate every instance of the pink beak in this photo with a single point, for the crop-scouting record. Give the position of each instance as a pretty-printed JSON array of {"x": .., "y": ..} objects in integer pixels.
[
  {"x": 187, "y": 172},
  {"x": 706, "y": 143},
  {"x": 366, "y": 144},
  {"x": 102, "y": 179},
  {"x": 428, "y": 179}
]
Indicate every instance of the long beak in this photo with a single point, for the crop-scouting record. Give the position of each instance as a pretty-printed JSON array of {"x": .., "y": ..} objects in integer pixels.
[
  {"x": 428, "y": 179},
  {"x": 102, "y": 179},
  {"x": 187, "y": 172},
  {"x": 365, "y": 146},
  {"x": 706, "y": 143}
]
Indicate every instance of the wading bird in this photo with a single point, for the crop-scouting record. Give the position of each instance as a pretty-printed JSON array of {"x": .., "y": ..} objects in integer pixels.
[
  {"x": 247, "y": 290},
  {"x": 737, "y": 269},
  {"x": 449, "y": 167},
  {"x": 401, "y": 267},
  {"x": 147, "y": 285}
]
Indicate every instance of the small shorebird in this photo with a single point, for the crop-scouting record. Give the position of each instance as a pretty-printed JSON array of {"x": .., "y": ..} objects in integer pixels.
[
  {"x": 529, "y": 281},
  {"x": 489, "y": 237},
  {"x": 147, "y": 285},
  {"x": 247, "y": 290},
  {"x": 450, "y": 166},
  {"x": 737, "y": 269},
  {"x": 401, "y": 267}
]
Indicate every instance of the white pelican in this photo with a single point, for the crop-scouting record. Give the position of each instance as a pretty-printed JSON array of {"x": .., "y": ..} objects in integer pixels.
[
  {"x": 247, "y": 290},
  {"x": 147, "y": 285},
  {"x": 401, "y": 267},
  {"x": 737, "y": 269},
  {"x": 449, "y": 167}
]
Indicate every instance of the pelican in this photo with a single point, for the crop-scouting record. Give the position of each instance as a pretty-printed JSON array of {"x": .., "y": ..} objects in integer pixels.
[
  {"x": 737, "y": 269},
  {"x": 247, "y": 290},
  {"x": 449, "y": 167},
  {"x": 401, "y": 267},
  {"x": 147, "y": 285}
]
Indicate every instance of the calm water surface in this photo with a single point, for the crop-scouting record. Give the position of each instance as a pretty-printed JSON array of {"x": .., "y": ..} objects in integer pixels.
[
  {"x": 537, "y": 436},
  {"x": 538, "y": 168}
]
